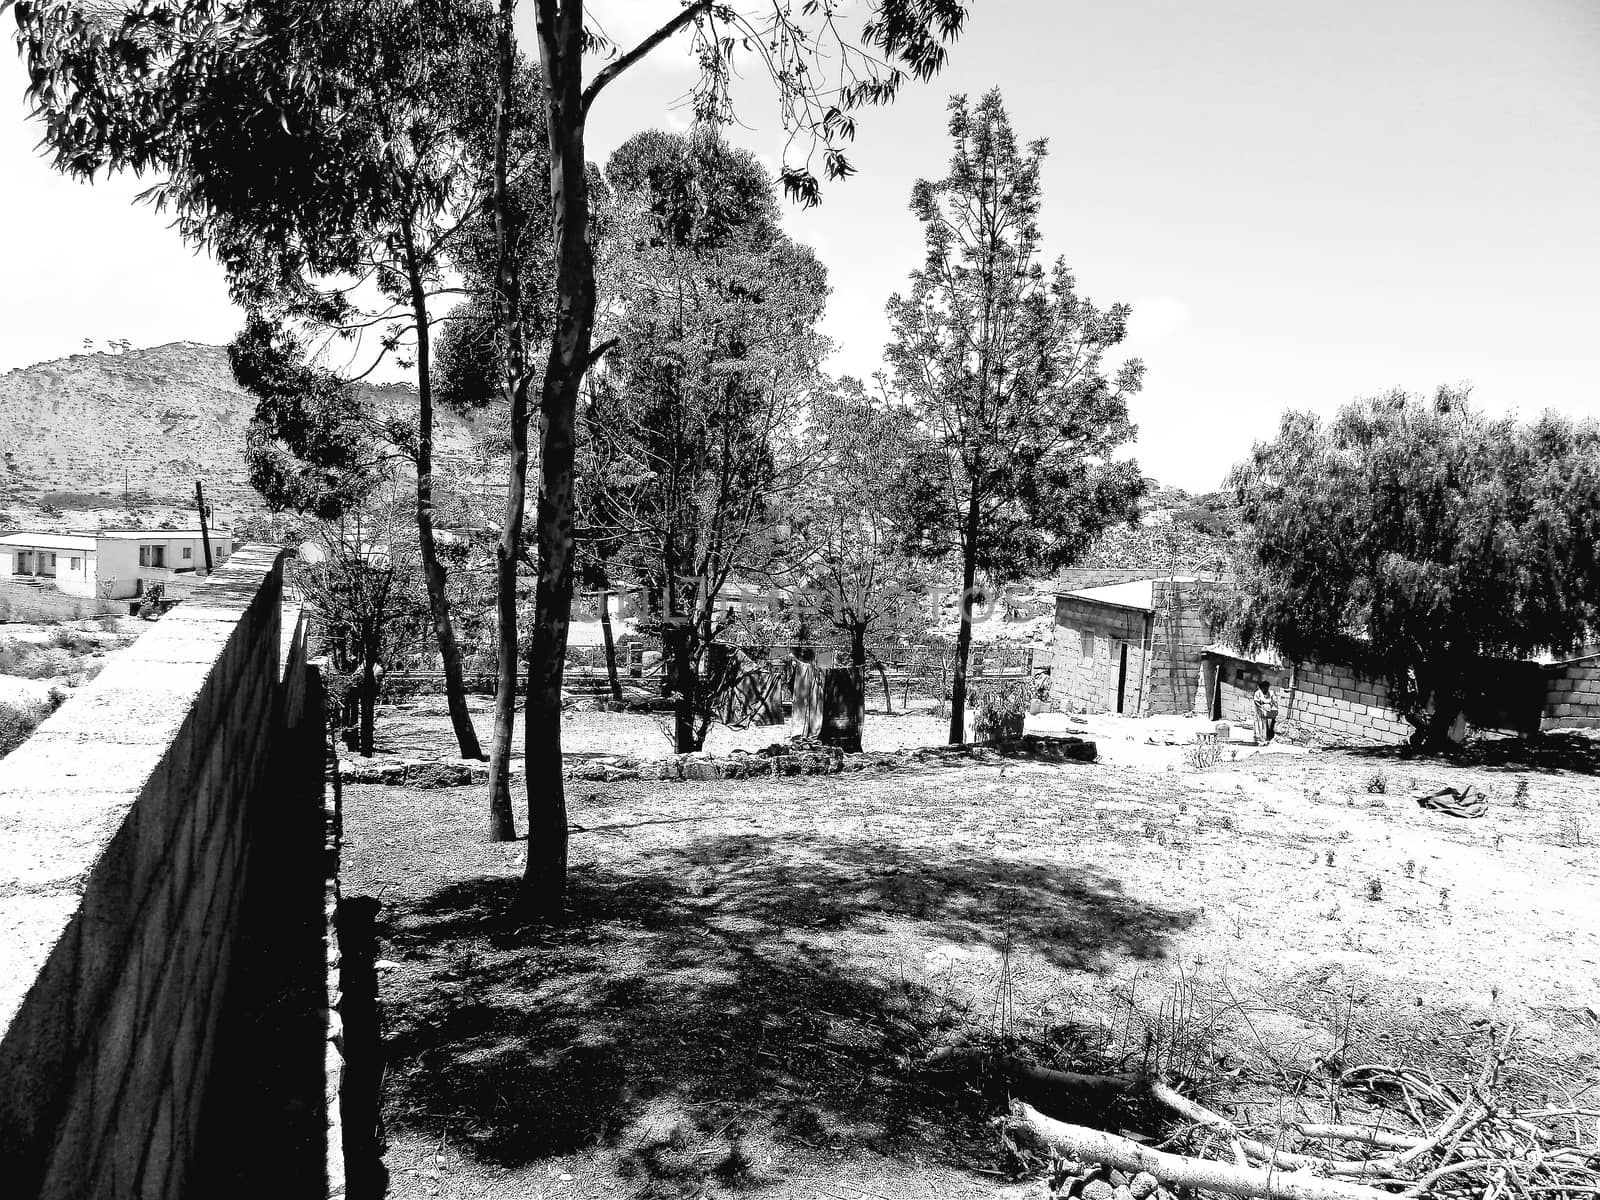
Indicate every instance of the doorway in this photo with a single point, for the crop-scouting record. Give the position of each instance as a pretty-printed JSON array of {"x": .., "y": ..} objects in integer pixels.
[{"x": 1122, "y": 677}]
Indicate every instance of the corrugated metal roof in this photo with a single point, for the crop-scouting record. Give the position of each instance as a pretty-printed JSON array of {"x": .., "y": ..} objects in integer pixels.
[
  {"x": 48, "y": 541},
  {"x": 1265, "y": 658},
  {"x": 1139, "y": 594}
]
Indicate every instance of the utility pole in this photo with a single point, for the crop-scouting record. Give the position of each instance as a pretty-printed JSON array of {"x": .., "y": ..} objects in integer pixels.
[{"x": 205, "y": 534}]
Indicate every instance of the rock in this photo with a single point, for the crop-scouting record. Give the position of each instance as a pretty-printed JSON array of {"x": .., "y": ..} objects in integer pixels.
[
  {"x": 701, "y": 769},
  {"x": 1098, "y": 1189},
  {"x": 1142, "y": 1185}
]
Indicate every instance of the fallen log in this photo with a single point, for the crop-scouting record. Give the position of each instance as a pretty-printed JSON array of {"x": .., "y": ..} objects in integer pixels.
[
  {"x": 1081, "y": 1144},
  {"x": 1036, "y": 1081}
]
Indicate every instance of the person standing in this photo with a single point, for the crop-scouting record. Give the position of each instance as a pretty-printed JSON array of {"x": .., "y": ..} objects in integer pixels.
[{"x": 1266, "y": 713}]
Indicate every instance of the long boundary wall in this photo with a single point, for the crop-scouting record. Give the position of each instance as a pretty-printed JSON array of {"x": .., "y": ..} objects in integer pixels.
[
  {"x": 25, "y": 602},
  {"x": 125, "y": 820},
  {"x": 1332, "y": 702}
]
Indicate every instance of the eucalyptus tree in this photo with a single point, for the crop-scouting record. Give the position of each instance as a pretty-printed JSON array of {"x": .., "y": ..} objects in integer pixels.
[
  {"x": 109, "y": 84},
  {"x": 822, "y": 75},
  {"x": 1019, "y": 418},
  {"x": 322, "y": 152}
]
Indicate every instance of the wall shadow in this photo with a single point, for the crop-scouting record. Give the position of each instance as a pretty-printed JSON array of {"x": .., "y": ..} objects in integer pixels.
[
  {"x": 1556, "y": 752},
  {"x": 705, "y": 1004}
]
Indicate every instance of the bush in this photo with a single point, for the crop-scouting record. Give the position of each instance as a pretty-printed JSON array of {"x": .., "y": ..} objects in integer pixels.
[
  {"x": 999, "y": 709},
  {"x": 17, "y": 720},
  {"x": 45, "y": 664},
  {"x": 71, "y": 639},
  {"x": 13, "y": 655}
]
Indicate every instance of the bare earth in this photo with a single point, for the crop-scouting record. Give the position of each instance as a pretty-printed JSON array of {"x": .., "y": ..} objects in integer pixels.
[{"x": 753, "y": 971}]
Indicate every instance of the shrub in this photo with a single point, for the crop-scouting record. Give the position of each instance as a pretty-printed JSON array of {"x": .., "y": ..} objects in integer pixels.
[
  {"x": 73, "y": 640},
  {"x": 1378, "y": 784},
  {"x": 13, "y": 655},
  {"x": 45, "y": 664},
  {"x": 999, "y": 709},
  {"x": 17, "y": 720}
]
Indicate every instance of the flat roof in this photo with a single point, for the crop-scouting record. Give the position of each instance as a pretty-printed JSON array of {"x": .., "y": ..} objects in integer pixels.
[
  {"x": 1139, "y": 594},
  {"x": 49, "y": 541},
  {"x": 152, "y": 535}
]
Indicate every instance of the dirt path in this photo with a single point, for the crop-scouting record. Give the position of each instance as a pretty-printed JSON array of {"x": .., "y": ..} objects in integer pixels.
[{"x": 752, "y": 971}]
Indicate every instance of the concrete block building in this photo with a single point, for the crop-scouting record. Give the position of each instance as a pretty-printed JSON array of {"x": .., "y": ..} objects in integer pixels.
[
  {"x": 1132, "y": 645},
  {"x": 110, "y": 564}
]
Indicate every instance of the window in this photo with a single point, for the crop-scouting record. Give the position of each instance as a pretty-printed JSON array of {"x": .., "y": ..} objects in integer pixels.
[
  {"x": 75, "y": 563},
  {"x": 1088, "y": 645},
  {"x": 188, "y": 553}
]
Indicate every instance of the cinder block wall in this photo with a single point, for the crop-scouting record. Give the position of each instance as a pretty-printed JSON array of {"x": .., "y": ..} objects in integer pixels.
[
  {"x": 1089, "y": 684},
  {"x": 1180, "y": 634},
  {"x": 1572, "y": 697},
  {"x": 1339, "y": 702},
  {"x": 124, "y": 821},
  {"x": 22, "y": 602}
]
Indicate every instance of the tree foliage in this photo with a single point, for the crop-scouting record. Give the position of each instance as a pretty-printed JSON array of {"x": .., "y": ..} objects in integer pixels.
[
  {"x": 310, "y": 448},
  {"x": 362, "y": 576},
  {"x": 859, "y": 577},
  {"x": 690, "y": 434},
  {"x": 1018, "y": 416},
  {"x": 1415, "y": 537}
]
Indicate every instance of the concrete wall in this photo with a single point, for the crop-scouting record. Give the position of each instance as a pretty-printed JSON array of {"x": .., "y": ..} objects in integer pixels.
[
  {"x": 1180, "y": 633},
  {"x": 124, "y": 821},
  {"x": 1340, "y": 702},
  {"x": 1572, "y": 696},
  {"x": 1088, "y": 683},
  {"x": 1164, "y": 668},
  {"x": 22, "y": 602},
  {"x": 1329, "y": 702}
]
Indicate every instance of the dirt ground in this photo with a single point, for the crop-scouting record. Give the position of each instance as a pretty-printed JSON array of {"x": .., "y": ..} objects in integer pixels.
[{"x": 754, "y": 971}]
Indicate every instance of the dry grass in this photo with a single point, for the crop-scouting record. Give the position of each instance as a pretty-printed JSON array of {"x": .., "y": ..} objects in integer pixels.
[{"x": 752, "y": 973}]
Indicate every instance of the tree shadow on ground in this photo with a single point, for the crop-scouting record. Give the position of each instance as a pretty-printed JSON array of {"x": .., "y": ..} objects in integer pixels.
[
  {"x": 697, "y": 1013},
  {"x": 1558, "y": 752}
]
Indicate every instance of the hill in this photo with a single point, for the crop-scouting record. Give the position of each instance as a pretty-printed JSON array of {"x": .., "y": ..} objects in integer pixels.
[{"x": 119, "y": 439}]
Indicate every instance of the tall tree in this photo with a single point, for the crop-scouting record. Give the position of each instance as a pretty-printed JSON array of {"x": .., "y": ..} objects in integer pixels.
[
  {"x": 1415, "y": 537},
  {"x": 713, "y": 311},
  {"x": 1003, "y": 365},
  {"x": 822, "y": 77},
  {"x": 321, "y": 151}
]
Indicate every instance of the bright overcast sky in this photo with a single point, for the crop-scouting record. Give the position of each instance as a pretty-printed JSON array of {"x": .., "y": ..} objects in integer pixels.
[{"x": 1303, "y": 202}]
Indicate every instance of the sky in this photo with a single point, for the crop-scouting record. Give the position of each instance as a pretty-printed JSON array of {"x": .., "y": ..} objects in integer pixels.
[{"x": 1304, "y": 203}]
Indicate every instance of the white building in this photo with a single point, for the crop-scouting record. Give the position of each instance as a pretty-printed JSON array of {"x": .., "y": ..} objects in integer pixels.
[{"x": 111, "y": 564}]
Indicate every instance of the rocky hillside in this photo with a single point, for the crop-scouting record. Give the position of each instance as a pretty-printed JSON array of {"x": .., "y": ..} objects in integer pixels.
[{"x": 118, "y": 439}]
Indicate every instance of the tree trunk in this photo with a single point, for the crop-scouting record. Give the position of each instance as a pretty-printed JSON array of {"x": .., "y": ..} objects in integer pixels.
[
  {"x": 432, "y": 569},
  {"x": 611, "y": 647},
  {"x": 369, "y": 701},
  {"x": 542, "y": 894},
  {"x": 684, "y": 683},
  {"x": 502, "y": 826},
  {"x": 969, "y": 572}
]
